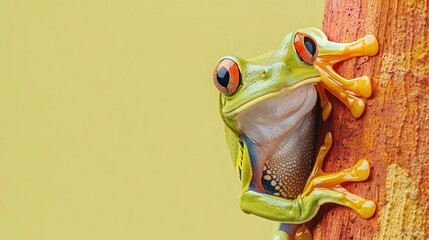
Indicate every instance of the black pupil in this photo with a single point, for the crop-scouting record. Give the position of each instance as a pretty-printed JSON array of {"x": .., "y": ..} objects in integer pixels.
[
  {"x": 223, "y": 77},
  {"x": 310, "y": 45}
]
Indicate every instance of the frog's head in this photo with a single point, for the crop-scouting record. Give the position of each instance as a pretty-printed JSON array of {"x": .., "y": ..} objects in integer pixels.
[
  {"x": 245, "y": 83},
  {"x": 304, "y": 58}
]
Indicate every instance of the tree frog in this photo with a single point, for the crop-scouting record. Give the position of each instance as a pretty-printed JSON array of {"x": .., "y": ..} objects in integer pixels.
[{"x": 269, "y": 107}]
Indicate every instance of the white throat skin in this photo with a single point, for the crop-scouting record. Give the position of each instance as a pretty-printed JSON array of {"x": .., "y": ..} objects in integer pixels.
[
  {"x": 275, "y": 121},
  {"x": 267, "y": 121}
]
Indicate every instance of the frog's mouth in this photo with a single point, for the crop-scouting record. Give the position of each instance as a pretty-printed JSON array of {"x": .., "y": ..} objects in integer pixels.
[{"x": 283, "y": 91}]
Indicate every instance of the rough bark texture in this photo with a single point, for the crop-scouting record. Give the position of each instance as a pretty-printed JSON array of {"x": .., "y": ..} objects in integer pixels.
[{"x": 393, "y": 133}]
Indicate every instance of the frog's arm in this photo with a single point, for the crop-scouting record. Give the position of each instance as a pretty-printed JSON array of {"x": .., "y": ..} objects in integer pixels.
[{"x": 305, "y": 206}]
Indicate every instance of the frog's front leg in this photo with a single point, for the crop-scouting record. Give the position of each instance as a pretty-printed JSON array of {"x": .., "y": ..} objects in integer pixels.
[{"x": 347, "y": 91}]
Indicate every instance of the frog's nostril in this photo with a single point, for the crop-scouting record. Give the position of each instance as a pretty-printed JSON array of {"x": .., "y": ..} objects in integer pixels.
[
  {"x": 223, "y": 77},
  {"x": 264, "y": 73}
]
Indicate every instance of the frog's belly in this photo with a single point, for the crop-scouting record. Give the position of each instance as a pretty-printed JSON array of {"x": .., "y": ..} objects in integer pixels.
[{"x": 286, "y": 172}]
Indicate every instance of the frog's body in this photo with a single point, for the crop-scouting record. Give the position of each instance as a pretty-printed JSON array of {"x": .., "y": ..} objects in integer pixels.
[
  {"x": 268, "y": 105},
  {"x": 281, "y": 147}
]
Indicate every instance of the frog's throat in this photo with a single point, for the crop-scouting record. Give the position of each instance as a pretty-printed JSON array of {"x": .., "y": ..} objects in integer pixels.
[
  {"x": 268, "y": 122},
  {"x": 280, "y": 132},
  {"x": 241, "y": 108}
]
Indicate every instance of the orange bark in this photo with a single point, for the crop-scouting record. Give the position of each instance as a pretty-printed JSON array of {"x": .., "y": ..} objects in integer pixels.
[{"x": 393, "y": 133}]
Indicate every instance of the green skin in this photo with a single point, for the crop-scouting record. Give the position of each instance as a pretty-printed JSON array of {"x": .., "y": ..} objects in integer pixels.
[{"x": 273, "y": 73}]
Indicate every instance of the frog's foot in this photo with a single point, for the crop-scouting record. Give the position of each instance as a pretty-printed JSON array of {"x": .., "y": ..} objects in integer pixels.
[
  {"x": 280, "y": 235},
  {"x": 329, "y": 183},
  {"x": 341, "y": 196},
  {"x": 303, "y": 233},
  {"x": 358, "y": 172},
  {"x": 284, "y": 231},
  {"x": 347, "y": 91}
]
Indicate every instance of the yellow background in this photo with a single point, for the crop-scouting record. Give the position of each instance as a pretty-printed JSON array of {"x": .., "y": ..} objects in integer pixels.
[{"x": 109, "y": 126}]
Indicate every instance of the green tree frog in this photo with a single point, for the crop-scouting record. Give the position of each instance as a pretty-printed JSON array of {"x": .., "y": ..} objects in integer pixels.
[{"x": 268, "y": 104}]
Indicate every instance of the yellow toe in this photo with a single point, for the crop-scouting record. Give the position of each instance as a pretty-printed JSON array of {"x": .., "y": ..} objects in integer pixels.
[
  {"x": 364, "y": 87},
  {"x": 371, "y": 45},
  {"x": 357, "y": 107},
  {"x": 368, "y": 209},
  {"x": 363, "y": 169}
]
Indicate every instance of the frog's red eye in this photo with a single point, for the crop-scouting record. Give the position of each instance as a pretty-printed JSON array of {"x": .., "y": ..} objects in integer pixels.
[
  {"x": 306, "y": 47},
  {"x": 226, "y": 76}
]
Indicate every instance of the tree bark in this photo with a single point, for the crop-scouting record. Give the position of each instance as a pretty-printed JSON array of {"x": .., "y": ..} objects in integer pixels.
[{"x": 393, "y": 133}]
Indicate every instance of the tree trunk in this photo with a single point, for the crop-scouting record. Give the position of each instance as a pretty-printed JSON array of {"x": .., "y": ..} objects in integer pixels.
[{"x": 393, "y": 133}]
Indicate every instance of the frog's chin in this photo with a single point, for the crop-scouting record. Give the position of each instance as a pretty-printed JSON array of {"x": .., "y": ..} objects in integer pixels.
[
  {"x": 270, "y": 120},
  {"x": 282, "y": 92}
]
